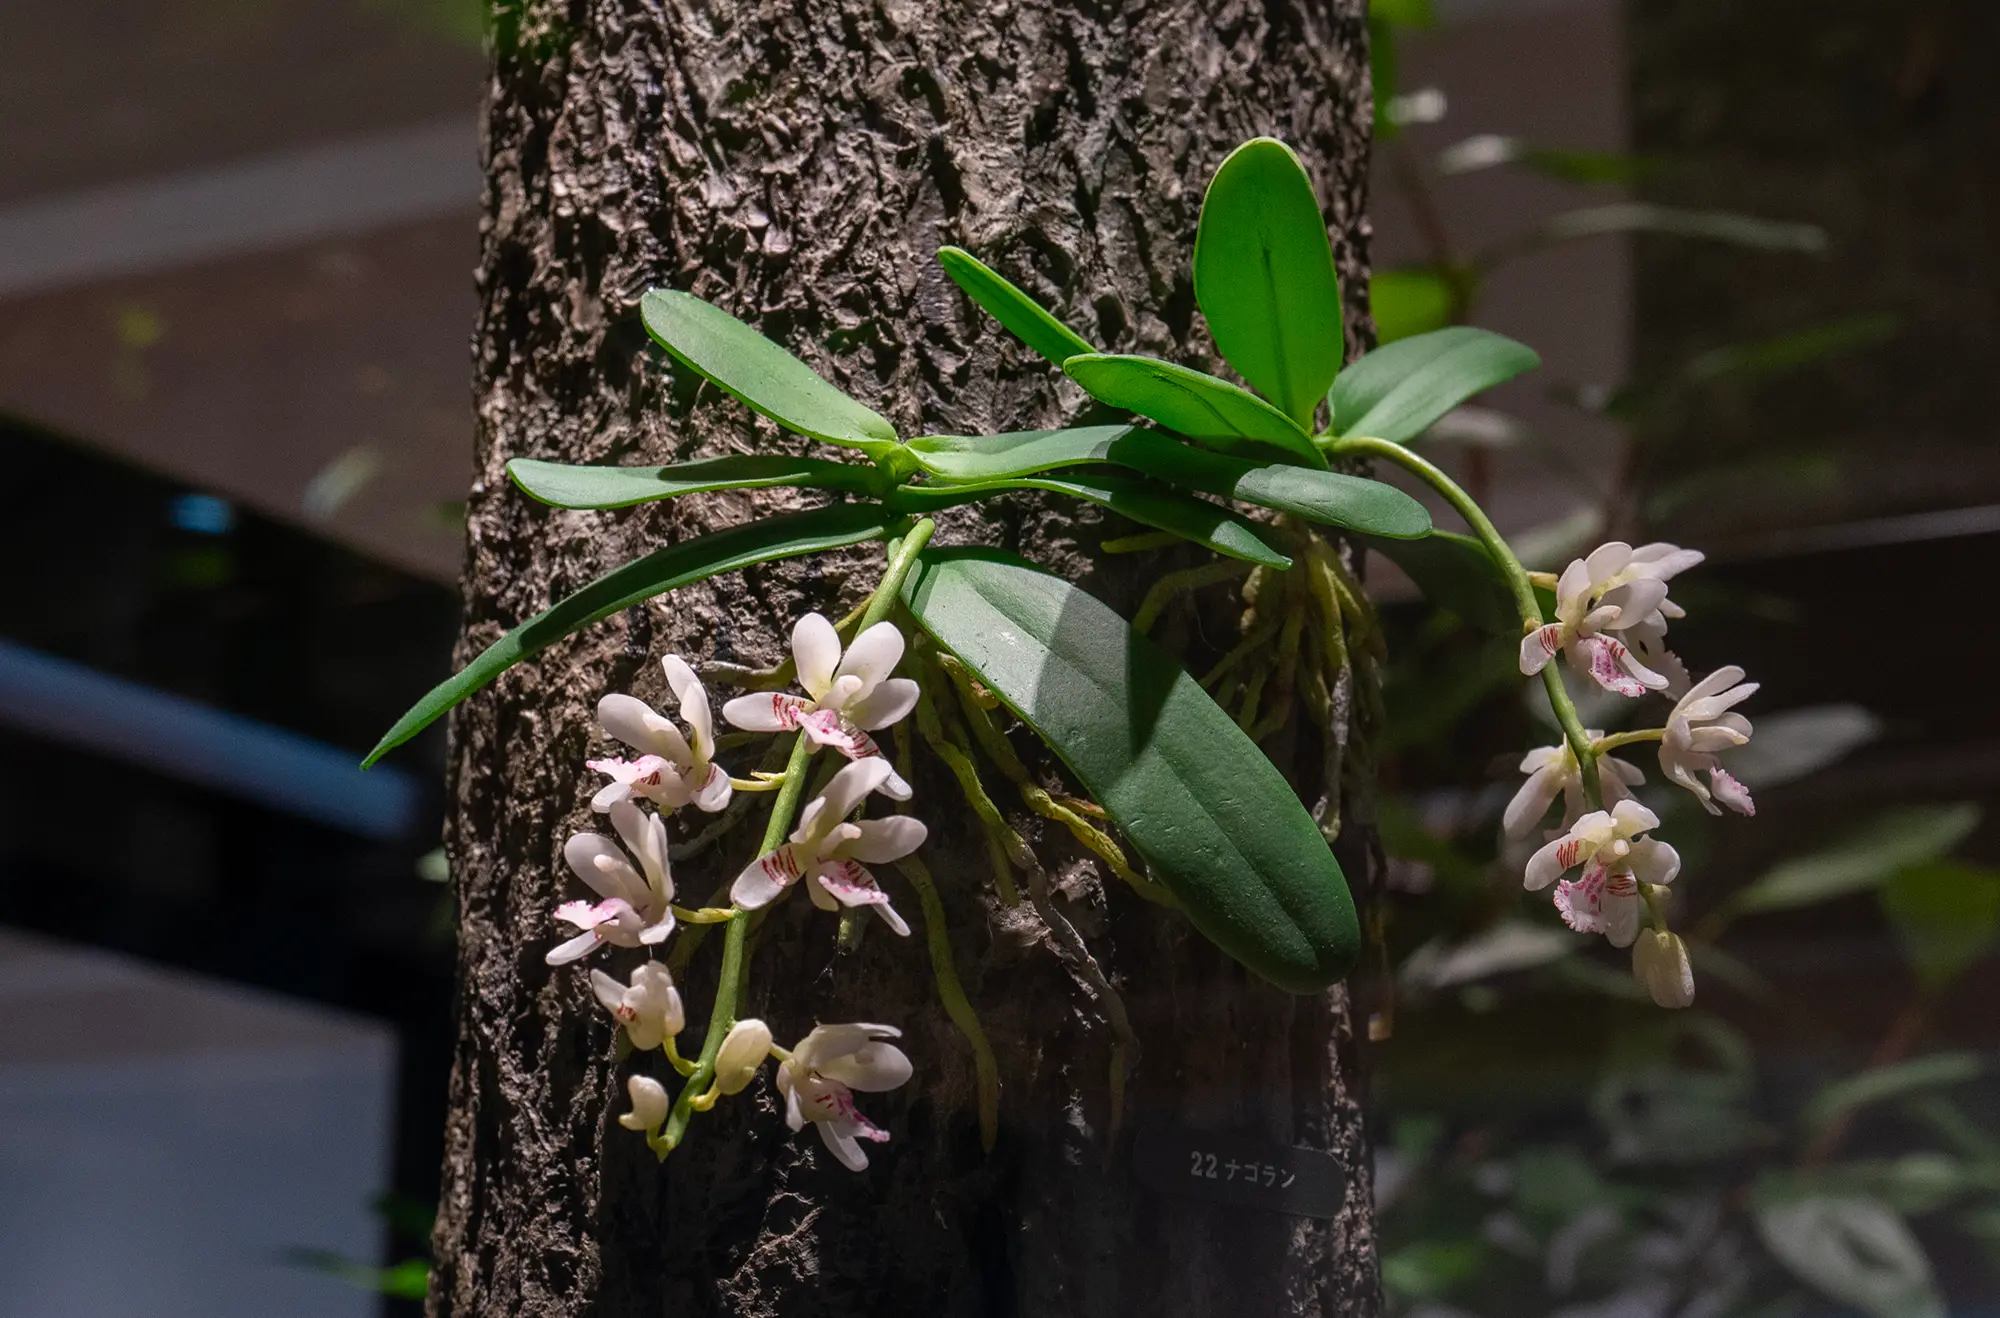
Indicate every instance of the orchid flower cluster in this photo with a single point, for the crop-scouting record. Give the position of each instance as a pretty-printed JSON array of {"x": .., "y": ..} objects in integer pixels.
[
  {"x": 1612, "y": 610},
  {"x": 848, "y": 695}
]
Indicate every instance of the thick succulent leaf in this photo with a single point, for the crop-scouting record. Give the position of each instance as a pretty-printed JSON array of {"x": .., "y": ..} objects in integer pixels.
[
  {"x": 568, "y": 486},
  {"x": 755, "y": 371},
  {"x": 1397, "y": 392},
  {"x": 1210, "y": 816},
  {"x": 813, "y": 531},
  {"x": 1024, "y": 317},
  {"x": 1455, "y": 572},
  {"x": 1016, "y": 453},
  {"x": 1199, "y": 406},
  {"x": 1330, "y": 497},
  {"x": 1205, "y": 523},
  {"x": 1263, "y": 274},
  {"x": 1333, "y": 498}
]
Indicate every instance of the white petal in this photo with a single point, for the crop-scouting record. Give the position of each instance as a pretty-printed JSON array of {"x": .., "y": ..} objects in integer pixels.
[
  {"x": 873, "y": 656},
  {"x": 874, "y": 1068},
  {"x": 1572, "y": 588},
  {"x": 1556, "y": 856},
  {"x": 1532, "y": 801},
  {"x": 850, "y": 787},
  {"x": 842, "y": 1145},
  {"x": 634, "y": 722},
  {"x": 1731, "y": 792},
  {"x": 609, "y": 794},
  {"x": 890, "y": 702},
  {"x": 884, "y": 840},
  {"x": 1635, "y": 600},
  {"x": 599, "y": 863},
  {"x": 693, "y": 698},
  {"x": 1629, "y": 817},
  {"x": 767, "y": 876},
  {"x": 1622, "y": 909},
  {"x": 1538, "y": 647},
  {"x": 715, "y": 791},
  {"x": 766, "y": 711},
  {"x": 1607, "y": 561},
  {"x": 1654, "y": 861},
  {"x": 564, "y": 953},
  {"x": 646, "y": 836},
  {"x": 816, "y": 649},
  {"x": 608, "y": 990},
  {"x": 1623, "y": 771}
]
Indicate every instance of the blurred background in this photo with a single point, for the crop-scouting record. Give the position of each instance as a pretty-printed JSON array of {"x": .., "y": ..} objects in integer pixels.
[{"x": 236, "y": 247}]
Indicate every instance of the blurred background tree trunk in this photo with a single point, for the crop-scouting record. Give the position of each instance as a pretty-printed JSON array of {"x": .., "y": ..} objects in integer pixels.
[{"x": 799, "y": 164}]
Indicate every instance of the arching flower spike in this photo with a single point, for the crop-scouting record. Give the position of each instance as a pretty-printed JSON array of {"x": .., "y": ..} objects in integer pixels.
[
  {"x": 635, "y": 910},
  {"x": 1700, "y": 727},
  {"x": 851, "y": 694},
  {"x": 833, "y": 855},
  {"x": 672, "y": 770},
  {"x": 820, "y": 1077},
  {"x": 1615, "y": 860}
]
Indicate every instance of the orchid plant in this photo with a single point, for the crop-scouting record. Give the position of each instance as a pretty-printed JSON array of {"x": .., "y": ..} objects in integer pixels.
[{"x": 1193, "y": 816}]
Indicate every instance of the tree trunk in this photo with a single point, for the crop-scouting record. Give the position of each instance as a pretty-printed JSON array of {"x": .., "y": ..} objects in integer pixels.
[{"x": 799, "y": 164}]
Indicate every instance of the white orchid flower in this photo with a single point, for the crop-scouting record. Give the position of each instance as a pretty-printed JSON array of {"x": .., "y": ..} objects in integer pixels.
[
  {"x": 743, "y": 1050},
  {"x": 649, "y": 1008},
  {"x": 1614, "y": 589},
  {"x": 649, "y": 1105},
  {"x": 1660, "y": 963},
  {"x": 1552, "y": 771},
  {"x": 636, "y": 910},
  {"x": 672, "y": 770},
  {"x": 819, "y": 1079},
  {"x": 833, "y": 855},
  {"x": 1702, "y": 726},
  {"x": 1616, "y": 860},
  {"x": 847, "y": 696}
]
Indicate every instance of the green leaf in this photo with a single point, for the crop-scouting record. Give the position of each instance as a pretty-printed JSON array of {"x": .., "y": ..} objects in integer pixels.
[
  {"x": 1196, "y": 405},
  {"x": 1024, "y": 317},
  {"x": 757, "y": 372},
  {"x": 1862, "y": 859},
  {"x": 1205, "y": 523},
  {"x": 568, "y": 486},
  {"x": 1854, "y": 1249},
  {"x": 1410, "y": 302},
  {"x": 1945, "y": 913},
  {"x": 1933, "y": 1071},
  {"x": 1211, "y": 817},
  {"x": 1331, "y": 497},
  {"x": 1396, "y": 392},
  {"x": 1016, "y": 453},
  {"x": 1714, "y": 226},
  {"x": 1263, "y": 274},
  {"x": 813, "y": 531},
  {"x": 1334, "y": 498},
  {"x": 1455, "y": 572}
]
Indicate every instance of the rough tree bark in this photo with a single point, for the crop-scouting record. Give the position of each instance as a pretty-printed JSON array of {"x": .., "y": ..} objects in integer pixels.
[{"x": 799, "y": 163}]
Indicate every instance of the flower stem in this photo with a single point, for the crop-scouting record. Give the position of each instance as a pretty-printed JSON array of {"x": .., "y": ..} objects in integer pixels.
[
  {"x": 1633, "y": 738},
  {"x": 699, "y": 1093},
  {"x": 1518, "y": 585}
]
